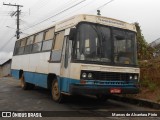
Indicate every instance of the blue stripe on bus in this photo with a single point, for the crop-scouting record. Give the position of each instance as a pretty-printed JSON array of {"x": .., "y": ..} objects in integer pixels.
[
  {"x": 40, "y": 79},
  {"x": 15, "y": 73},
  {"x": 65, "y": 82},
  {"x": 109, "y": 82}
]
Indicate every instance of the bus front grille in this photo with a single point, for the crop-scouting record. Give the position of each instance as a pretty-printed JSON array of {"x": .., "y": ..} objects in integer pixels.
[{"x": 114, "y": 76}]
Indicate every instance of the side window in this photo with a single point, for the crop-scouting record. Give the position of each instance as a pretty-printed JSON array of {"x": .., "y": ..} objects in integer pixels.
[
  {"x": 28, "y": 46},
  {"x": 30, "y": 40},
  {"x": 59, "y": 41},
  {"x": 17, "y": 46},
  {"x": 39, "y": 37},
  {"x": 49, "y": 34},
  {"x": 48, "y": 40},
  {"x": 57, "y": 48},
  {"x": 23, "y": 42},
  {"x": 38, "y": 42}
]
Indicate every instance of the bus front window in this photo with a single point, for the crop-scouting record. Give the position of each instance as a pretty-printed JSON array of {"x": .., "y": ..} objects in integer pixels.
[
  {"x": 124, "y": 47},
  {"x": 93, "y": 43},
  {"x": 105, "y": 44}
]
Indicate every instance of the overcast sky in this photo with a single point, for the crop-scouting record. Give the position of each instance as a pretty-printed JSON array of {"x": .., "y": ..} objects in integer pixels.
[{"x": 145, "y": 12}]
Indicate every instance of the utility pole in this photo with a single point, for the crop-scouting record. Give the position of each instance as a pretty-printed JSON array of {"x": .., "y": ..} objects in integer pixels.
[
  {"x": 98, "y": 12},
  {"x": 17, "y": 13}
]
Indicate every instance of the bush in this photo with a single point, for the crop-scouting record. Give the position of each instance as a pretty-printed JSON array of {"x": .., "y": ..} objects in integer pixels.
[{"x": 148, "y": 84}]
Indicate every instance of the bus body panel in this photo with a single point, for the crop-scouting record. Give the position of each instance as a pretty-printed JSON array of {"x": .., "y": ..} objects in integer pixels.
[
  {"x": 65, "y": 83},
  {"x": 93, "y": 19},
  {"x": 37, "y": 66},
  {"x": 37, "y": 62},
  {"x": 99, "y": 86},
  {"x": 15, "y": 73},
  {"x": 38, "y": 79},
  {"x": 54, "y": 68},
  {"x": 77, "y": 67}
]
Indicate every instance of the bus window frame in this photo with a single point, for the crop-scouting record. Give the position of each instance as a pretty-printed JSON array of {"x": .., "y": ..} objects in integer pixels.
[
  {"x": 15, "y": 47},
  {"x": 51, "y": 39},
  {"x": 53, "y": 48},
  {"x": 29, "y": 45},
  {"x": 34, "y": 42},
  {"x": 112, "y": 48}
]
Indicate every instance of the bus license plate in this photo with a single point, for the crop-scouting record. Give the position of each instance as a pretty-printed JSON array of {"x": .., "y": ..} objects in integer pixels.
[{"x": 115, "y": 90}]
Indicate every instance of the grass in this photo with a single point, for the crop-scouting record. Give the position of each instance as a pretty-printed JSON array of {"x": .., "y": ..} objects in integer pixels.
[
  {"x": 151, "y": 86},
  {"x": 150, "y": 79},
  {"x": 158, "y": 98}
]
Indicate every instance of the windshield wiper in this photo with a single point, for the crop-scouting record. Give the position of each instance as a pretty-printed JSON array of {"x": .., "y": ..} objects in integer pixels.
[{"x": 100, "y": 39}]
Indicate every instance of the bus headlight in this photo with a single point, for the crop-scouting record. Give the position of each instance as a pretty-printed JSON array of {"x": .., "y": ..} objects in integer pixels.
[
  {"x": 84, "y": 75},
  {"x": 130, "y": 77},
  {"x": 90, "y": 75},
  {"x": 135, "y": 77}
]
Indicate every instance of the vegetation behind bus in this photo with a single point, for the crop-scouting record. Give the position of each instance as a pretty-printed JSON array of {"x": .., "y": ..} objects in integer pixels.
[
  {"x": 144, "y": 50},
  {"x": 149, "y": 69}
]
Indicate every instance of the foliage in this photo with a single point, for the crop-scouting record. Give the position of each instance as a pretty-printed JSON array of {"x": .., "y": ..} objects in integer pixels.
[
  {"x": 148, "y": 84},
  {"x": 144, "y": 50},
  {"x": 158, "y": 98}
]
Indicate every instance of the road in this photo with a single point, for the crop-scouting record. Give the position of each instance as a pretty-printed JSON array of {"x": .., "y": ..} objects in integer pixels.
[{"x": 13, "y": 98}]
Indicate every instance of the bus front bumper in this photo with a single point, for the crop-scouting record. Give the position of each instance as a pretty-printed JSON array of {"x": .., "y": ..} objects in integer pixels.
[{"x": 96, "y": 89}]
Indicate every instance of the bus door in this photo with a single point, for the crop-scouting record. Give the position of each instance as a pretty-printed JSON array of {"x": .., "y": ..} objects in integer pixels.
[{"x": 65, "y": 62}]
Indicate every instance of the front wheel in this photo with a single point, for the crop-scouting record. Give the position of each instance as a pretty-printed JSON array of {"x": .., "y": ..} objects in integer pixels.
[{"x": 56, "y": 94}]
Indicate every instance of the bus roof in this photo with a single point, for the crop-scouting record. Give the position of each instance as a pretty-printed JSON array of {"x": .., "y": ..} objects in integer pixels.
[
  {"x": 93, "y": 19},
  {"x": 72, "y": 21}
]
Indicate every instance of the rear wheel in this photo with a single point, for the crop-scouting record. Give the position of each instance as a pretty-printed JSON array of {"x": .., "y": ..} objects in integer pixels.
[
  {"x": 56, "y": 94},
  {"x": 24, "y": 85}
]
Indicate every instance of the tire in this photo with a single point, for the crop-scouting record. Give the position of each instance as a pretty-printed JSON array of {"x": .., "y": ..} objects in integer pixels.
[
  {"x": 24, "y": 85},
  {"x": 102, "y": 98},
  {"x": 56, "y": 95},
  {"x": 31, "y": 86}
]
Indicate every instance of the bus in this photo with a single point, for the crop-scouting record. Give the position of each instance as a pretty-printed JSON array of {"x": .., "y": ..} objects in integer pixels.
[{"x": 82, "y": 55}]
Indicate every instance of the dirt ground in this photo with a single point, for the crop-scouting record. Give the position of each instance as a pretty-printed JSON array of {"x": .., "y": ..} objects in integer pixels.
[
  {"x": 149, "y": 80},
  {"x": 148, "y": 95}
]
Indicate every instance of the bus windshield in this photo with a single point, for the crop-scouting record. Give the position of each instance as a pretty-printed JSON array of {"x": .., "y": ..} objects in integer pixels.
[{"x": 105, "y": 44}]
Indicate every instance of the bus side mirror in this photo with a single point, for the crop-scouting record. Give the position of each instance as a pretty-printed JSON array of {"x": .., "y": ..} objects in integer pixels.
[{"x": 72, "y": 33}]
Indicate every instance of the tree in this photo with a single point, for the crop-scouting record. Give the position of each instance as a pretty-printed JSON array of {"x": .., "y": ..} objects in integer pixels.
[{"x": 144, "y": 50}]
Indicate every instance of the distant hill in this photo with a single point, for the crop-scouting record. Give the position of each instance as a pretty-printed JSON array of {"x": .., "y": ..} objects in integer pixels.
[{"x": 155, "y": 43}]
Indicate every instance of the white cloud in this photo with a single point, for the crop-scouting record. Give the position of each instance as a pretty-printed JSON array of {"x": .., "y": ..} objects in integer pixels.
[
  {"x": 4, "y": 56},
  {"x": 146, "y": 12}
]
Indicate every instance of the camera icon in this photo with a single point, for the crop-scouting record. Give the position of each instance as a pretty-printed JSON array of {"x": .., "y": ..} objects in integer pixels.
[{"x": 6, "y": 114}]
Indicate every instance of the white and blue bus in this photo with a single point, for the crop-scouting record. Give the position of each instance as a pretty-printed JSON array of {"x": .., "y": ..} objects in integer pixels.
[{"x": 85, "y": 54}]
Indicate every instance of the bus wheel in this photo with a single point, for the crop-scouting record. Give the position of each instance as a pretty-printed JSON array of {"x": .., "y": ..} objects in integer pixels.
[
  {"x": 102, "y": 98},
  {"x": 56, "y": 95},
  {"x": 24, "y": 85},
  {"x": 31, "y": 86}
]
